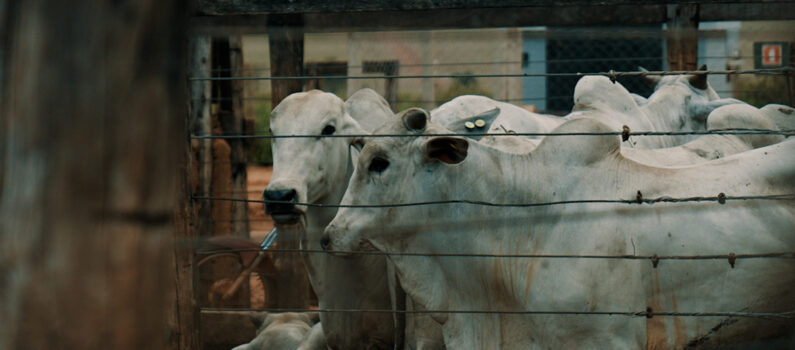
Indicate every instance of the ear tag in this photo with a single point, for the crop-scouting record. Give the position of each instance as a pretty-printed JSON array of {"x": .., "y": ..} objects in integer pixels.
[
  {"x": 469, "y": 125},
  {"x": 480, "y": 123}
]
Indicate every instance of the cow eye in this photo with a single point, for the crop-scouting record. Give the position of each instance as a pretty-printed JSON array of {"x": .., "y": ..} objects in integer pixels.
[
  {"x": 378, "y": 165},
  {"x": 328, "y": 130}
]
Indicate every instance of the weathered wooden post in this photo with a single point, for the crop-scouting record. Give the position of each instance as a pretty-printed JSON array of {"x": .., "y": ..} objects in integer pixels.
[
  {"x": 223, "y": 175},
  {"x": 286, "y": 42},
  {"x": 192, "y": 216},
  {"x": 93, "y": 130},
  {"x": 682, "y": 37},
  {"x": 223, "y": 172}
]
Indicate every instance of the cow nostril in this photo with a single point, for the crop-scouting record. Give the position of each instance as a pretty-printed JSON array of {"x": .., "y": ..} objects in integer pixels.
[
  {"x": 290, "y": 196},
  {"x": 324, "y": 241},
  {"x": 280, "y": 195}
]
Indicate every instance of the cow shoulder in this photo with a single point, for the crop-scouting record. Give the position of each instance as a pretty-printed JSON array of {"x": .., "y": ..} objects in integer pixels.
[{"x": 578, "y": 148}]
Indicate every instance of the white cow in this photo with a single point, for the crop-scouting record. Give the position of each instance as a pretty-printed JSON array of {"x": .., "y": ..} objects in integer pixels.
[
  {"x": 314, "y": 340},
  {"x": 616, "y": 100},
  {"x": 709, "y": 147},
  {"x": 679, "y": 103},
  {"x": 508, "y": 118},
  {"x": 783, "y": 116},
  {"x": 409, "y": 170},
  {"x": 315, "y": 170},
  {"x": 287, "y": 331}
]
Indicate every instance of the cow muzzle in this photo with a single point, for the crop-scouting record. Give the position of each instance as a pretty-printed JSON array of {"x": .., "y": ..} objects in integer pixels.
[{"x": 280, "y": 205}]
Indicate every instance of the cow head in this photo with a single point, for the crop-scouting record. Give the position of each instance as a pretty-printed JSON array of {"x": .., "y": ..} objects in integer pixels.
[
  {"x": 308, "y": 169},
  {"x": 692, "y": 92},
  {"x": 395, "y": 170}
]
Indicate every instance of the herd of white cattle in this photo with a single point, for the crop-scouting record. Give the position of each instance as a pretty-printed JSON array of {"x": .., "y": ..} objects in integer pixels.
[{"x": 363, "y": 173}]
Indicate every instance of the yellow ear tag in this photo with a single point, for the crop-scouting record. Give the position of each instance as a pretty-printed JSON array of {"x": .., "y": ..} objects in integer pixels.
[
  {"x": 480, "y": 123},
  {"x": 469, "y": 125}
]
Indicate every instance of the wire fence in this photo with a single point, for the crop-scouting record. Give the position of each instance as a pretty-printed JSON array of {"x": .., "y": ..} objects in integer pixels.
[
  {"x": 438, "y": 102},
  {"x": 613, "y": 75},
  {"x": 654, "y": 258},
  {"x": 475, "y": 134},
  {"x": 489, "y": 63},
  {"x": 648, "y": 313},
  {"x": 639, "y": 199},
  {"x": 720, "y": 198}
]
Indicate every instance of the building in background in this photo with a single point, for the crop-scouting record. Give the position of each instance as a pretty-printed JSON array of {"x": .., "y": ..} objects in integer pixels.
[{"x": 533, "y": 51}]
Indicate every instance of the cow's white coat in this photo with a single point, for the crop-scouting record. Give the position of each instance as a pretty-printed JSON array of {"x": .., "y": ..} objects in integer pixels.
[
  {"x": 571, "y": 168},
  {"x": 318, "y": 169},
  {"x": 675, "y": 105},
  {"x": 287, "y": 331}
]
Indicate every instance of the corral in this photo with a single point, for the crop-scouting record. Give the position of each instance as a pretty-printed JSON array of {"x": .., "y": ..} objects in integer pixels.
[{"x": 131, "y": 133}]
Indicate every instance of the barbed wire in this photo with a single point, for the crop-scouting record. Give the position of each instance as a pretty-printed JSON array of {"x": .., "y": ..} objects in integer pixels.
[
  {"x": 610, "y": 74},
  {"x": 720, "y": 198},
  {"x": 654, "y": 258},
  {"x": 648, "y": 313},
  {"x": 536, "y": 98},
  {"x": 787, "y": 132},
  {"x": 485, "y": 63}
]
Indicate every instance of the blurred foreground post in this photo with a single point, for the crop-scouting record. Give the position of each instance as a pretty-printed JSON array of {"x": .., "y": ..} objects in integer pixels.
[{"x": 93, "y": 138}]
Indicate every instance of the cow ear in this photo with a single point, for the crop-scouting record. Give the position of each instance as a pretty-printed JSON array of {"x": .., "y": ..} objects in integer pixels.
[
  {"x": 355, "y": 149},
  {"x": 450, "y": 150},
  {"x": 415, "y": 119},
  {"x": 650, "y": 80},
  {"x": 699, "y": 80}
]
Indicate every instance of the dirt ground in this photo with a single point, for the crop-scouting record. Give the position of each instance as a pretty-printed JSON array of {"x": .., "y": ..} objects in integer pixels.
[{"x": 260, "y": 224}]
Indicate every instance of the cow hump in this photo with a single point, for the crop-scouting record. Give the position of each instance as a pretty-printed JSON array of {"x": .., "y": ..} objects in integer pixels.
[{"x": 583, "y": 149}]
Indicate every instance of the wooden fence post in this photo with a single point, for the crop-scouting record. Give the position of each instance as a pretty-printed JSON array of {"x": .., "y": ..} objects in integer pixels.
[
  {"x": 286, "y": 43},
  {"x": 92, "y": 152},
  {"x": 682, "y": 36},
  {"x": 287, "y": 59},
  {"x": 225, "y": 178},
  {"x": 192, "y": 216}
]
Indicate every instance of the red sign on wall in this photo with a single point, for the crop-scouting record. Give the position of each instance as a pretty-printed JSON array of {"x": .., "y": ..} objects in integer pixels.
[{"x": 771, "y": 54}]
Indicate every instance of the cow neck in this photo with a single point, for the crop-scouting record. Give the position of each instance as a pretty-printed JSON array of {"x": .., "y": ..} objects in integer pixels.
[{"x": 491, "y": 170}]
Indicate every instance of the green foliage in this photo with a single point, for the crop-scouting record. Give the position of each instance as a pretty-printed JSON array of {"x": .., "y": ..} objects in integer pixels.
[
  {"x": 260, "y": 152},
  {"x": 462, "y": 86},
  {"x": 763, "y": 90}
]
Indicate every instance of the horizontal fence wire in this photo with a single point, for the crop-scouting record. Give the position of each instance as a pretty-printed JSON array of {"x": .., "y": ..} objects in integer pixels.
[
  {"x": 653, "y": 258},
  {"x": 610, "y": 74},
  {"x": 486, "y": 63},
  {"x": 720, "y": 198},
  {"x": 787, "y": 132},
  {"x": 537, "y": 98},
  {"x": 648, "y": 313}
]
